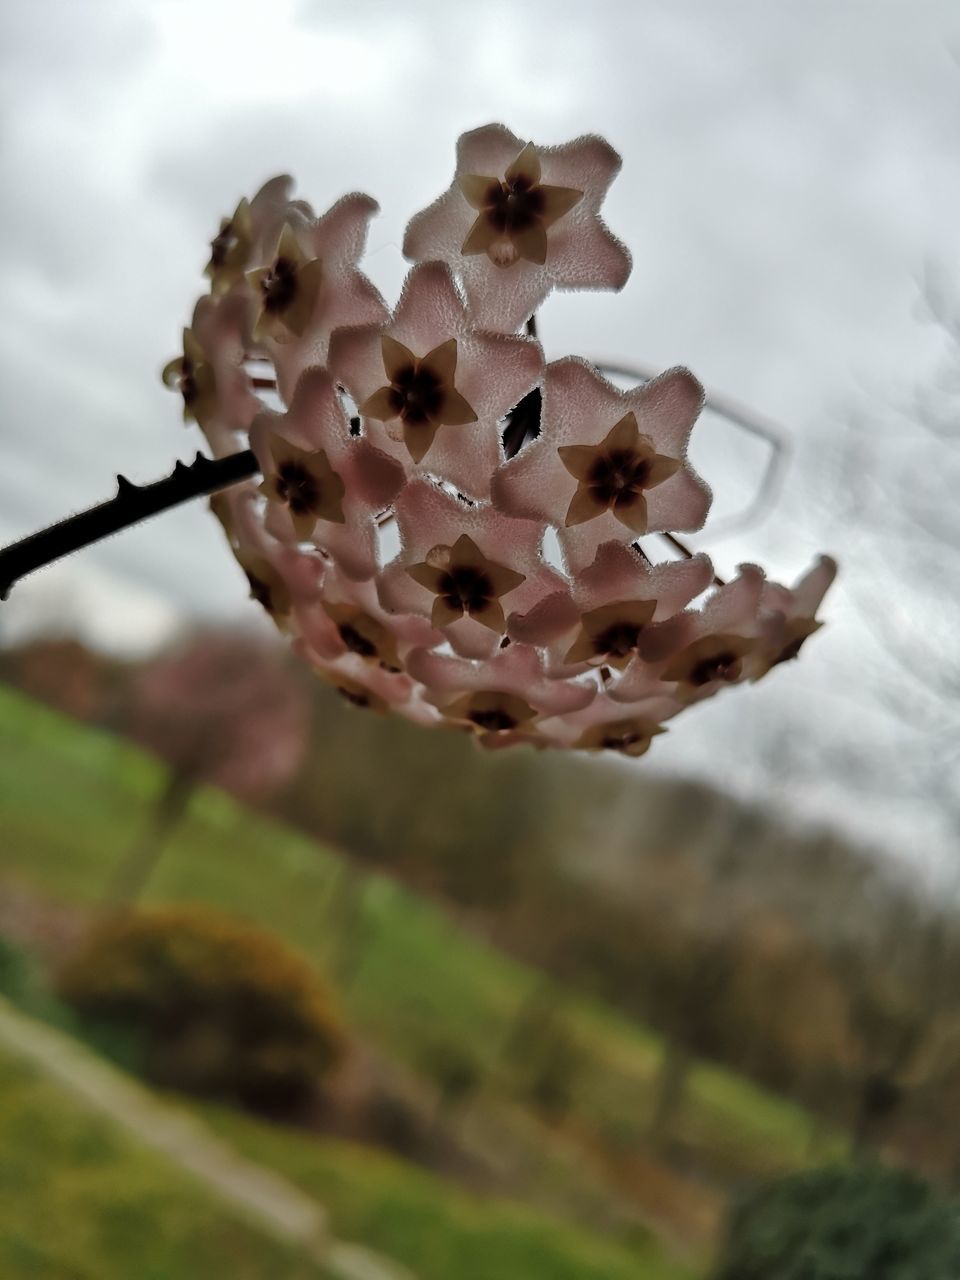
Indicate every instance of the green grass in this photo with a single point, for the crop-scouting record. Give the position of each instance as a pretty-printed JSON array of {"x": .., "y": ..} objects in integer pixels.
[
  {"x": 73, "y": 798},
  {"x": 81, "y": 1201},
  {"x": 437, "y": 1231}
]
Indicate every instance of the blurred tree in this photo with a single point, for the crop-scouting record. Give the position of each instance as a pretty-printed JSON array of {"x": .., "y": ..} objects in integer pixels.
[{"x": 220, "y": 709}]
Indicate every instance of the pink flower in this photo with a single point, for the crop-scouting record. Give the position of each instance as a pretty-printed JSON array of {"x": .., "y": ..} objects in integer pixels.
[
  {"x": 431, "y": 389},
  {"x": 788, "y": 617},
  {"x": 600, "y": 620},
  {"x": 504, "y": 696},
  {"x": 520, "y": 220},
  {"x": 465, "y": 566},
  {"x": 321, "y": 482},
  {"x": 215, "y": 388},
  {"x": 604, "y": 725},
  {"x": 608, "y": 465},
  {"x": 698, "y": 652},
  {"x": 307, "y": 284}
]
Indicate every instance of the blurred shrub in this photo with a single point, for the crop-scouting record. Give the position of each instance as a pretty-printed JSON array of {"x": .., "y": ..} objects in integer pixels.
[
  {"x": 453, "y": 1071},
  {"x": 863, "y": 1223},
  {"x": 218, "y": 1008}
]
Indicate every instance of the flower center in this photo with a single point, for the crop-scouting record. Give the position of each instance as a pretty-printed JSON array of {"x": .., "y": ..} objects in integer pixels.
[
  {"x": 356, "y": 642},
  {"x": 297, "y": 488},
  {"x": 493, "y": 720},
  {"x": 465, "y": 588},
  {"x": 279, "y": 285},
  {"x": 619, "y": 639},
  {"x": 415, "y": 394},
  {"x": 514, "y": 206},
  {"x": 616, "y": 478},
  {"x": 721, "y": 666}
]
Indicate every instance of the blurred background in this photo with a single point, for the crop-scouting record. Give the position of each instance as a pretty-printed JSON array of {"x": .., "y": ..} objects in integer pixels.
[{"x": 481, "y": 1017}]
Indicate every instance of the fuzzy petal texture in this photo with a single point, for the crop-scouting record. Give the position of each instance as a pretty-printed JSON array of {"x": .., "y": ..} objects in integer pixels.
[
  {"x": 580, "y": 409},
  {"x": 345, "y": 296},
  {"x": 428, "y": 517},
  {"x": 580, "y": 252},
  {"x": 316, "y": 421},
  {"x": 492, "y": 373}
]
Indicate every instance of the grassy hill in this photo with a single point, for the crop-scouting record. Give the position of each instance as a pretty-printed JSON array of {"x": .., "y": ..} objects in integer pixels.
[{"x": 74, "y": 798}]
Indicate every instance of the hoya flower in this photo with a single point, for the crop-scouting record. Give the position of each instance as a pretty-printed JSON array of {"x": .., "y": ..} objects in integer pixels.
[
  {"x": 215, "y": 388},
  {"x": 603, "y": 725},
  {"x": 500, "y": 699},
  {"x": 350, "y": 619},
  {"x": 431, "y": 389},
  {"x": 464, "y": 566},
  {"x": 788, "y": 617},
  {"x": 608, "y": 465},
  {"x": 699, "y": 651},
  {"x": 285, "y": 290},
  {"x": 519, "y": 220},
  {"x": 322, "y": 483},
  {"x": 610, "y": 605},
  {"x": 316, "y": 287},
  {"x": 417, "y": 467}
]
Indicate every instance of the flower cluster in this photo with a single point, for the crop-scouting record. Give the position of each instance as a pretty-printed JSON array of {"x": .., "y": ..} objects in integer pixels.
[{"x": 447, "y": 526}]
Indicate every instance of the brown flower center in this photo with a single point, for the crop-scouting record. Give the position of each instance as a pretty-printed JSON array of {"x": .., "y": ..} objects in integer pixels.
[
  {"x": 617, "y": 477},
  {"x": 415, "y": 395},
  {"x": 297, "y": 488},
  {"x": 279, "y": 285},
  {"x": 619, "y": 639},
  {"x": 513, "y": 206},
  {"x": 467, "y": 588},
  {"x": 720, "y": 666},
  {"x": 356, "y": 642},
  {"x": 493, "y": 720}
]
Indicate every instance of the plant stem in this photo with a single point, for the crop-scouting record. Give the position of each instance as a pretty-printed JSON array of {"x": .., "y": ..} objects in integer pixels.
[{"x": 131, "y": 504}]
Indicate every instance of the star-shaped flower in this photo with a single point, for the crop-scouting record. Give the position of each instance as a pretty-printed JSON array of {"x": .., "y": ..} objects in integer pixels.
[
  {"x": 600, "y": 620},
  {"x": 216, "y": 389},
  {"x": 458, "y": 560},
  {"x": 464, "y": 581},
  {"x": 323, "y": 483},
  {"x": 503, "y": 696},
  {"x": 604, "y": 725},
  {"x": 788, "y": 616},
  {"x": 420, "y": 393},
  {"x": 432, "y": 390},
  {"x": 699, "y": 652},
  {"x": 305, "y": 483},
  {"x": 341, "y": 294},
  {"x": 615, "y": 474},
  {"x": 514, "y": 212},
  {"x": 520, "y": 220},
  {"x": 286, "y": 290},
  {"x": 607, "y": 464}
]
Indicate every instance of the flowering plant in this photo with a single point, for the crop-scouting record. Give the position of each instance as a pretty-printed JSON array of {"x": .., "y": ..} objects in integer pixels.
[{"x": 439, "y": 427}]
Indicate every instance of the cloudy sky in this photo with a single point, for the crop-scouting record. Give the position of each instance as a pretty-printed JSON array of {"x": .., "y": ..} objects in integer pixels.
[{"x": 791, "y": 180}]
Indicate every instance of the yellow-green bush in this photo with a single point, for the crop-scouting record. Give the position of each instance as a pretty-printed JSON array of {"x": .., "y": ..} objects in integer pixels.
[{"x": 212, "y": 1005}]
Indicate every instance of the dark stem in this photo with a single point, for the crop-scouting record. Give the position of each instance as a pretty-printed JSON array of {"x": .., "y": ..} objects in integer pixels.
[
  {"x": 686, "y": 553},
  {"x": 131, "y": 504}
]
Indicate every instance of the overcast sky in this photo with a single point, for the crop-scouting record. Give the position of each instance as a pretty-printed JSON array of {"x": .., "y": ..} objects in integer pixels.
[{"x": 791, "y": 172}]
